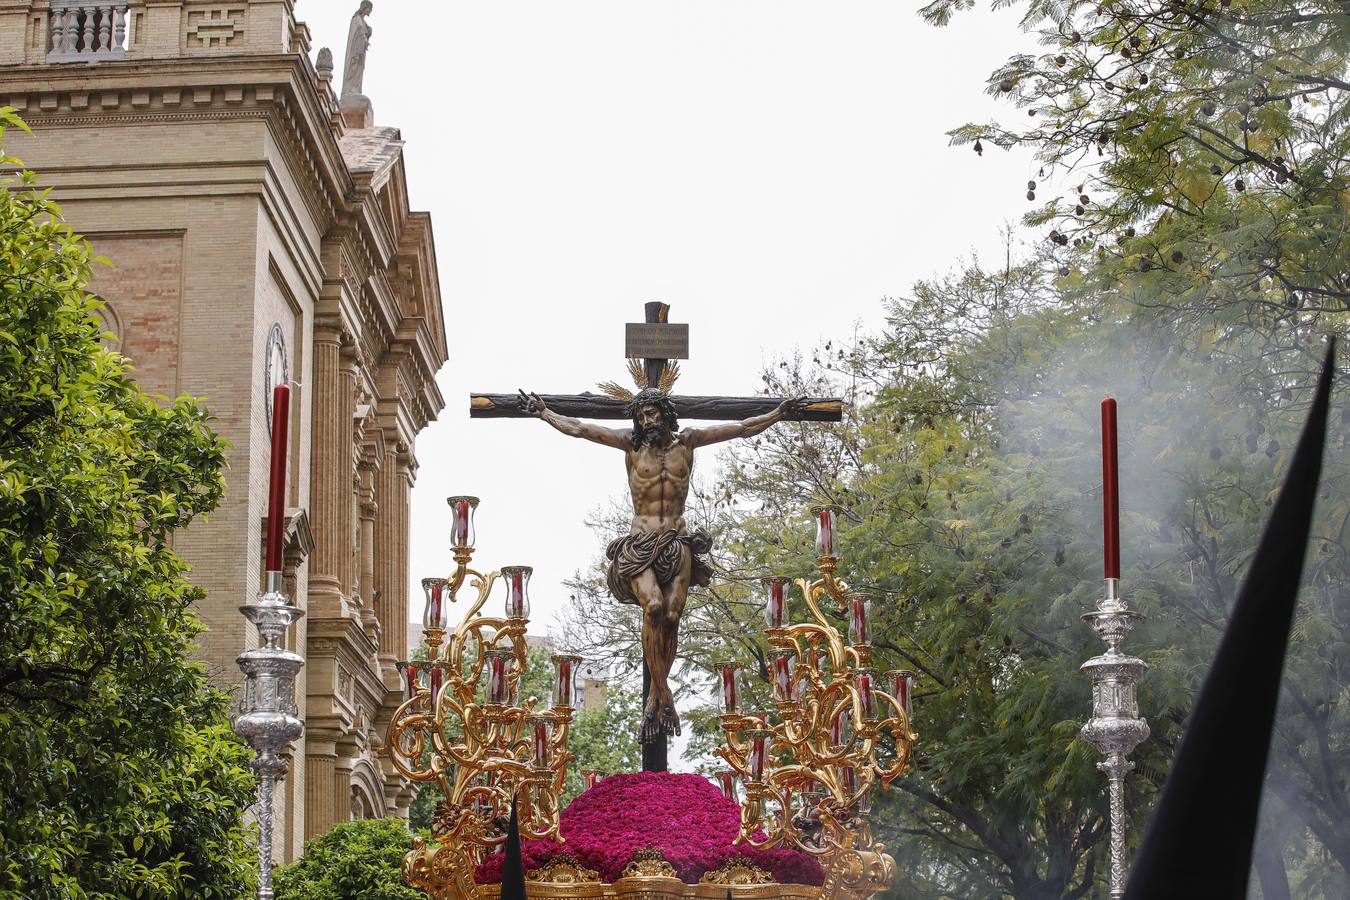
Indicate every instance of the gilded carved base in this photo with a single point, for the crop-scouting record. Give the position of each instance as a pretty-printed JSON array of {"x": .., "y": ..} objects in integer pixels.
[
  {"x": 658, "y": 888},
  {"x": 446, "y": 875}
]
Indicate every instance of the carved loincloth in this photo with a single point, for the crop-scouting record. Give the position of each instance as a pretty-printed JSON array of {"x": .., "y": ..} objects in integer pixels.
[{"x": 659, "y": 551}]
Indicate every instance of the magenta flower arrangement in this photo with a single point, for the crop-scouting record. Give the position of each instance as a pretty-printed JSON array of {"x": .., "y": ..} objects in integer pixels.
[{"x": 682, "y": 815}]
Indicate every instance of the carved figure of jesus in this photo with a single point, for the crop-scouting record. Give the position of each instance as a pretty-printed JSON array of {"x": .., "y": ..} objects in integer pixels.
[{"x": 654, "y": 565}]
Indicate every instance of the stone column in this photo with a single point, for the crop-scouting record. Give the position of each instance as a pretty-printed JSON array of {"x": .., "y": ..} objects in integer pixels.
[
  {"x": 342, "y": 785},
  {"x": 407, "y": 474},
  {"x": 346, "y": 504},
  {"x": 369, "y": 510},
  {"x": 388, "y": 563},
  {"x": 330, "y": 464},
  {"x": 321, "y": 810},
  {"x": 332, "y": 579}
]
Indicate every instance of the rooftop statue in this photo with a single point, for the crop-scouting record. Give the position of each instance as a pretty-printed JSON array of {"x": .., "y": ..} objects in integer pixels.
[{"x": 358, "y": 42}]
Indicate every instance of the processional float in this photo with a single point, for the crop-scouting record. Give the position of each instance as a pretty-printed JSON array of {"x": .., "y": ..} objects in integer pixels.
[{"x": 809, "y": 767}]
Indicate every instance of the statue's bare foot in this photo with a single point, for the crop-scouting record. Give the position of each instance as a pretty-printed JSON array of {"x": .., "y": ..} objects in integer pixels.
[
  {"x": 651, "y": 730},
  {"x": 669, "y": 722}
]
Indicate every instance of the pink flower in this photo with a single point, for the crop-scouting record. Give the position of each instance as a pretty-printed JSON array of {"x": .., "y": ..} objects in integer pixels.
[{"x": 682, "y": 815}]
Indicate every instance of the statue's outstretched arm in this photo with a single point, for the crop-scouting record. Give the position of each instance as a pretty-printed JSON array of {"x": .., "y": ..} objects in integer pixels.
[
  {"x": 610, "y": 437},
  {"x": 701, "y": 437}
]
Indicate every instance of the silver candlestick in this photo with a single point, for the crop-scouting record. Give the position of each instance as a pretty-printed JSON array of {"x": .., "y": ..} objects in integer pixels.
[
  {"x": 268, "y": 718},
  {"x": 1115, "y": 728}
]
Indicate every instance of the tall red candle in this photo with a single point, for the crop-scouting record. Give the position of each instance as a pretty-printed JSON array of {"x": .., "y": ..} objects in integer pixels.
[
  {"x": 1110, "y": 490},
  {"x": 276, "y": 488}
]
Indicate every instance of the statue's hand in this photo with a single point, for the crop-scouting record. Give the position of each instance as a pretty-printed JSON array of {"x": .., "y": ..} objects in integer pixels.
[
  {"x": 792, "y": 406},
  {"x": 531, "y": 404}
]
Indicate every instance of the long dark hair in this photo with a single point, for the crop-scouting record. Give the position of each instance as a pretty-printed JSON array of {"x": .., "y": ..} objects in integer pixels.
[{"x": 652, "y": 397}]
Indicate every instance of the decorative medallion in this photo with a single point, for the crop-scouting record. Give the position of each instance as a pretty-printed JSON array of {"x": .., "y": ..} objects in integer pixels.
[
  {"x": 649, "y": 863},
  {"x": 737, "y": 870},
  {"x": 276, "y": 367},
  {"x": 564, "y": 869},
  {"x": 445, "y": 818}
]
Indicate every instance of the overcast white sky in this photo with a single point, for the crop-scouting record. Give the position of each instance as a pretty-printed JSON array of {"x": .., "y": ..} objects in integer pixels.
[{"x": 770, "y": 168}]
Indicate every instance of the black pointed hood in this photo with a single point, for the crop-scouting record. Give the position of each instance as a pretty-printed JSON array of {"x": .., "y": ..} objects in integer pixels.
[
  {"x": 513, "y": 866},
  {"x": 1199, "y": 842}
]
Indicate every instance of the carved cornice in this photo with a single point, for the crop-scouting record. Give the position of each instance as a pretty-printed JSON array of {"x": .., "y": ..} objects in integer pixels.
[
  {"x": 299, "y": 535},
  {"x": 278, "y": 89},
  {"x": 382, "y": 253}
]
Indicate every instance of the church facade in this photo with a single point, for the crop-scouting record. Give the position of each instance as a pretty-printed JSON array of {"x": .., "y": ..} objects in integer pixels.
[{"x": 258, "y": 230}]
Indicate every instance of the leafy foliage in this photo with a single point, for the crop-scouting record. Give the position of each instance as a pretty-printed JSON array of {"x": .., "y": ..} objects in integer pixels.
[
  {"x": 118, "y": 774},
  {"x": 1216, "y": 128},
  {"x": 359, "y": 860}
]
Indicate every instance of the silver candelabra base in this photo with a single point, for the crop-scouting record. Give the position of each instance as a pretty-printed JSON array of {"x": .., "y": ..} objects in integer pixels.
[
  {"x": 1115, "y": 728},
  {"x": 268, "y": 717}
]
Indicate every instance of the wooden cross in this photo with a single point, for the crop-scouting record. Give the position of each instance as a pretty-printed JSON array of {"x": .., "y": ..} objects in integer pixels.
[{"x": 655, "y": 342}]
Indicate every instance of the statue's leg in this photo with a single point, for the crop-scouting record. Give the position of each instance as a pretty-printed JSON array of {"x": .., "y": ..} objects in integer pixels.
[
  {"x": 676, "y": 595},
  {"x": 648, "y": 592}
]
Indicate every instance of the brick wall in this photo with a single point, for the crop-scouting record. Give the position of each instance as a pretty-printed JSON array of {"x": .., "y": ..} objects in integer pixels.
[{"x": 143, "y": 285}]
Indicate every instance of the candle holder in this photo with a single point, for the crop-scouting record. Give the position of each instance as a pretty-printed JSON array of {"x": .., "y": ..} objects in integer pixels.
[
  {"x": 1115, "y": 728},
  {"x": 808, "y": 777},
  {"x": 268, "y": 717},
  {"x": 480, "y": 751}
]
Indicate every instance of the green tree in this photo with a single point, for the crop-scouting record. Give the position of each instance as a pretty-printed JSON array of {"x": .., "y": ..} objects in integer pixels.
[
  {"x": 605, "y": 738},
  {"x": 118, "y": 774},
  {"x": 1195, "y": 171},
  {"x": 360, "y": 860},
  {"x": 1199, "y": 143}
]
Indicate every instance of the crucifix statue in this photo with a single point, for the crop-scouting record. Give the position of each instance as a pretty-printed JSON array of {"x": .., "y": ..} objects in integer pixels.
[{"x": 656, "y": 563}]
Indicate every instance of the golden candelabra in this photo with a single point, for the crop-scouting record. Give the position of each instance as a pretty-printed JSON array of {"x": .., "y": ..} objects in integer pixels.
[
  {"x": 809, "y": 775},
  {"x": 464, "y": 727}
]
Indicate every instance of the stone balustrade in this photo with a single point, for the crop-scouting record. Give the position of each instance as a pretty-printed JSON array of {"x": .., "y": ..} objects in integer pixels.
[{"x": 83, "y": 31}]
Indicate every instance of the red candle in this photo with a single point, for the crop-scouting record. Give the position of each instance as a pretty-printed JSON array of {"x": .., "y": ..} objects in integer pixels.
[
  {"x": 499, "y": 679},
  {"x": 867, "y": 682},
  {"x": 437, "y": 675},
  {"x": 783, "y": 661},
  {"x": 839, "y": 728},
  {"x": 859, "y": 606},
  {"x": 565, "y": 689},
  {"x": 775, "y": 601},
  {"x": 541, "y": 742},
  {"x": 727, "y": 673},
  {"x": 758, "y": 751},
  {"x": 276, "y": 491},
  {"x": 1110, "y": 490},
  {"x": 902, "y": 687},
  {"x": 410, "y": 677},
  {"x": 825, "y": 525}
]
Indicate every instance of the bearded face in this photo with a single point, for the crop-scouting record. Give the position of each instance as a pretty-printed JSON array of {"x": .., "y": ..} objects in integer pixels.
[{"x": 651, "y": 424}]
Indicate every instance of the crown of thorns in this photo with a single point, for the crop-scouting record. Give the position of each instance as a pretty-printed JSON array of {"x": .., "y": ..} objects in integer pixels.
[{"x": 647, "y": 392}]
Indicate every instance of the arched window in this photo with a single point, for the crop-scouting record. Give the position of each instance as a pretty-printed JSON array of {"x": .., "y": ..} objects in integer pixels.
[{"x": 112, "y": 324}]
